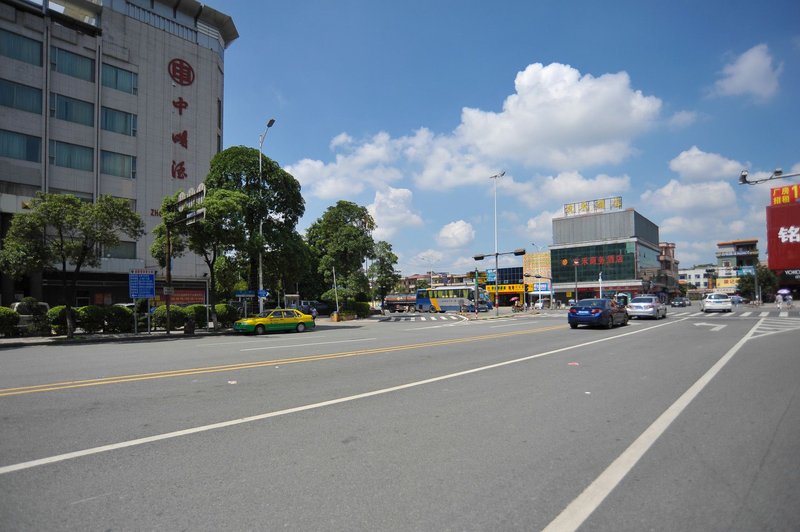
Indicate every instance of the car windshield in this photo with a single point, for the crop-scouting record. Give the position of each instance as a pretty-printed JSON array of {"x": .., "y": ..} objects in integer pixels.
[
  {"x": 592, "y": 303},
  {"x": 718, "y": 296},
  {"x": 642, "y": 300}
]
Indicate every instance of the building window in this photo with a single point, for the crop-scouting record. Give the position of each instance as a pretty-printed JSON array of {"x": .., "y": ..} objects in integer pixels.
[
  {"x": 71, "y": 110},
  {"x": 71, "y": 156},
  {"x": 123, "y": 250},
  {"x": 117, "y": 164},
  {"x": 20, "y": 48},
  {"x": 118, "y": 121},
  {"x": 71, "y": 64},
  {"x": 22, "y": 97},
  {"x": 219, "y": 113},
  {"x": 120, "y": 79},
  {"x": 20, "y": 146}
]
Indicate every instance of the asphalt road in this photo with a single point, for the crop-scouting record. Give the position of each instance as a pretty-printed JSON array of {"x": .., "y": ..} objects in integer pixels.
[{"x": 688, "y": 423}]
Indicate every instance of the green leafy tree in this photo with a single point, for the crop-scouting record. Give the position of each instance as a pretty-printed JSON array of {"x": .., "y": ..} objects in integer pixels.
[
  {"x": 62, "y": 232},
  {"x": 382, "y": 270},
  {"x": 274, "y": 204},
  {"x": 767, "y": 282},
  {"x": 220, "y": 231},
  {"x": 342, "y": 239},
  {"x": 169, "y": 242}
]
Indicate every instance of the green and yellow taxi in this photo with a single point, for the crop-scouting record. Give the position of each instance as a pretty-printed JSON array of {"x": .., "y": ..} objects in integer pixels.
[{"x": 279, "y": 319}]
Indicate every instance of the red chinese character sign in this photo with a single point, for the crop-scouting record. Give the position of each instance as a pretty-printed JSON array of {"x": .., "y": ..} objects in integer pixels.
[
  {"x": 181, "y": 72},
  {"x": 783, "y": 236}
]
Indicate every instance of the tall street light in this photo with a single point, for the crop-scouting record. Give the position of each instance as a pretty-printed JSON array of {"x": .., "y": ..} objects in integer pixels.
[
  {"x": 575, "y": 263},
  {"x": 261, "y": 138},
  {"x": 776, "y": 174},
  {"x": 517, "y": 253},
  {"x": 496, "y": 261}
]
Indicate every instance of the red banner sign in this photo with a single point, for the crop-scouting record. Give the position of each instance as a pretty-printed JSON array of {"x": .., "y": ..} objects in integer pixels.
[{"x": 783, "y": 236}]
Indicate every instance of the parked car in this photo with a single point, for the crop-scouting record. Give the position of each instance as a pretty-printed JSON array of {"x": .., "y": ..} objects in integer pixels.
[
  {"x": 681, "y": 302},
  {"x": 26, "y": 312},
  {"x": 647, "y": 307},
  {"x": 597, "y": 313},
  {"x": 321, "y": 306},
  {"x": 275, "y": 320},
  {"x": 737, "y": 300},
  {"x": 716, "y": 301},
  {"x": 540, "y": 304}
]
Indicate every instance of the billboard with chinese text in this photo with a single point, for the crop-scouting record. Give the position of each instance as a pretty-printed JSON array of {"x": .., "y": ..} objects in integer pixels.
[{"x": 783, "y": 236}]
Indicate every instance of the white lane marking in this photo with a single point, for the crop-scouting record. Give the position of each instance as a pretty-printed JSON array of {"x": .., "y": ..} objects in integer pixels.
[
  {"x": 783, "y": 314},
  {"x": 233, "y": 422},
  {"x": 305, "y": 345},
  {"x": 745, "y": 314},
  {"x": 764, "y": 314},
  {"x": 587, "y": 502}
]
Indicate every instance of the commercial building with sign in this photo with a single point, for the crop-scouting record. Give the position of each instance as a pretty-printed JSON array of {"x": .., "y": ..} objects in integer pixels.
[
  {"x": 783, "y": 236},
  {"x": 616, "y": 251},
  {"x": 120, "y": 98}
]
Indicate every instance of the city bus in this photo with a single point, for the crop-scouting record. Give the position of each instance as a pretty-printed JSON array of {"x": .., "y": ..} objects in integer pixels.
[{"x": 452, "y": 298}]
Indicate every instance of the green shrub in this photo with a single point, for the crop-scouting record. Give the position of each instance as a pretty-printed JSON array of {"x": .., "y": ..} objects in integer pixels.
[
  {"x": 30, "y": 306},
  {"x": 91, "y": 318},
  {"x": 361, "y": 308},
  {"x": 57, "y": 319},
  {"x": 118, "y": 320},
  {"x": 177, "y": 317},
  {"x": 8, "y": 321},
  {"x": 198, "y": 312},
  {"x": 226, "y": 314}
]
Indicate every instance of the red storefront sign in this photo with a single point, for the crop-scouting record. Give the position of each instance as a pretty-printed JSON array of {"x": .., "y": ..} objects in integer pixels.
[
  {"x": 783, "y": 236},
  {"x": 785, "y": 194}
]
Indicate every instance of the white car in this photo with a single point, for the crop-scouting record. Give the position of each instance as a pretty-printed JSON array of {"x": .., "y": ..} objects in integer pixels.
[
  {"x": 540, "y": 304},
  {"x": 716, "y": 302},
  {"x": 647, "y": 307}
]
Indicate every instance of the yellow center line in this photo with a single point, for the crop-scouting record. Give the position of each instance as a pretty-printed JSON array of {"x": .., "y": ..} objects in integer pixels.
[{"x": 4, "y": 392}]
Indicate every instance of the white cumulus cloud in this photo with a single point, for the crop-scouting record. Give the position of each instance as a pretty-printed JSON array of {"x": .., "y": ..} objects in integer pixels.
[
  {"x": 697, "y": 165},
  {"x": 391, "y": 209},
  {"x": 456, "y": 234},
  {"x": 752, "y": 73},
  {"x": 561, "y": 119}
]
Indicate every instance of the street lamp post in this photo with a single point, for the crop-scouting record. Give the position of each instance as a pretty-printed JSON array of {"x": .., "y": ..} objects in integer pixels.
[
  {"x": 517, "y": 252},
  {"x": 261, "y": 138},
  {"x": 776, "y": 174},
  {"x": 575, "y": 263},
  {"x": 496, "y": 260}
]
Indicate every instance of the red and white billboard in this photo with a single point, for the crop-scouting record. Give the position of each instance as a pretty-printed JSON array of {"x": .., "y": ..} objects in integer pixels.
[{"x": 783, "y": 236}]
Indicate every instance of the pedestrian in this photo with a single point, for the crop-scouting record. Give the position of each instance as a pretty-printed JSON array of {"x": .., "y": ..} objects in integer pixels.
[
  {"x": 788, "y": 300},
  {"x": 779, "y": 302}
]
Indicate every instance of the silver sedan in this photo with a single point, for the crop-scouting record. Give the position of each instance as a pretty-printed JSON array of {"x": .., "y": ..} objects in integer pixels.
[{"x": 647, "y": 307}]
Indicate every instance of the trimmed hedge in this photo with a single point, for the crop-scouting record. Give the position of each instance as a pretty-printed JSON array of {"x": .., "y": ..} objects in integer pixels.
[
  {"x": 8, "y": 321},
  {"x": 198, "y": 312},
  {"x": 226, "y": 314},
  {"x": 57, "y": 319},
  {"x": 118, "y": 320},
  {"x": 91, "y": 318},
  {"x": 177, "y": 317}
]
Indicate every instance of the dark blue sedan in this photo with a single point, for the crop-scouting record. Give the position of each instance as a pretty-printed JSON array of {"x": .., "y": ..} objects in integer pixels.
[{"x": 597, "y": 313}]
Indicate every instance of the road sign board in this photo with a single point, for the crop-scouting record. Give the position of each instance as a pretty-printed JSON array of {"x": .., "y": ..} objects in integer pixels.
[
  {"x": 263, "y": 293},
  {"x": 142, "y": 284},
  {"x": 245, "y": 293}
]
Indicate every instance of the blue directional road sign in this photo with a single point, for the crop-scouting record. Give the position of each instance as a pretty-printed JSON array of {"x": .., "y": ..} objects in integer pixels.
[
  {"x": 263, "y": 293},
  {"x": 142, "y": 284}
]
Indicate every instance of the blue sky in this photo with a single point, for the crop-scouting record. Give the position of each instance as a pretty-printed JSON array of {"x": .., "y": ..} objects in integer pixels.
[{"x": 409, "y": 107}]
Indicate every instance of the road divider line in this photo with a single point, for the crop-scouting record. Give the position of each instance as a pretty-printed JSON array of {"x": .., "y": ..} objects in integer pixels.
[
  {"x": 260, "y": 417},
  {"x": 574, "y": 515}
]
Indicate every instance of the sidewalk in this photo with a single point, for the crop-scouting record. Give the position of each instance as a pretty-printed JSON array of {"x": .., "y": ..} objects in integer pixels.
[{"x": 81, "y": 338}]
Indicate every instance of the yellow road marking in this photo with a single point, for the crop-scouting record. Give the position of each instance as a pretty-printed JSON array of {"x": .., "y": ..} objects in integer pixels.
[{"x": 250, "y": 365}]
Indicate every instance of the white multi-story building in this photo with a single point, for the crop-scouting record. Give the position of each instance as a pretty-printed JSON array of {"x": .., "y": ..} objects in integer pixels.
[{"x": 109, "y": 97}]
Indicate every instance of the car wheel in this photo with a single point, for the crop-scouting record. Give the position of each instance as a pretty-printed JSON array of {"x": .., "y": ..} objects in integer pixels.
[
  {"x": 610, "y": 323},
  {"x": 300, "y": 327},
  {"x": 259, "y": 329},
  {"x": 625, "y": 321},
  {"x": 573, "y": 325}
]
